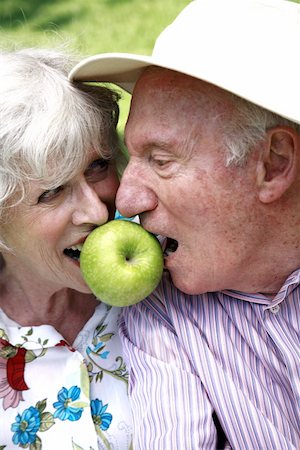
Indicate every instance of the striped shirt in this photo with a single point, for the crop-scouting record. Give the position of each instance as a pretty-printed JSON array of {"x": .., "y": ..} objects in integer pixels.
[{"x": 225, "y": 355}]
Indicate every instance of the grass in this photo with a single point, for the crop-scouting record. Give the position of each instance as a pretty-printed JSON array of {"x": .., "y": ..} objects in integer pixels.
[{"x": 90, "y": 26}]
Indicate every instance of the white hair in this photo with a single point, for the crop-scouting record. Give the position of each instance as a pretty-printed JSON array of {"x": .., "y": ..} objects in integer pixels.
[
  {"x": 47, "y": 123},
  {"x": 247, "y": 127}
]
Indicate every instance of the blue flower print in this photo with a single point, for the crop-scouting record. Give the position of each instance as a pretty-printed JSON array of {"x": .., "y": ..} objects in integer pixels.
[
  {"x": 26, "y": 427},
  {"x": 97, "y": 349},
  {"x": 101, "y": 418},
  {"x": 63, "y": 410}
]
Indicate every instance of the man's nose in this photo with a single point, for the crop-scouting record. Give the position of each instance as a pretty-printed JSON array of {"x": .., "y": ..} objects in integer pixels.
[
  {"x": 134, "y": 196},
  {"x": 89, "y": 209}
]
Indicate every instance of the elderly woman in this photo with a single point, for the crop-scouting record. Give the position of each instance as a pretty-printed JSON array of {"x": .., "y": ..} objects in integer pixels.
[{"x": 63, "y": 382}]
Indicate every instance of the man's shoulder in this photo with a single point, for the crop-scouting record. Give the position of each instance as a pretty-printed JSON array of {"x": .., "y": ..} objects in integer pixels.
[{"x": 163, "y": 304}]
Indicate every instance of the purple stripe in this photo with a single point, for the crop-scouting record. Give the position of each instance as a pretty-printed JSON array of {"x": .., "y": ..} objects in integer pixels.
[{"x": 226, "y": 352}]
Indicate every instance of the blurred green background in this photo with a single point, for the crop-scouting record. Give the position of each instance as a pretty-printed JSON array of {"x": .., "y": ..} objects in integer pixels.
[{"x": 88, "y": 26}]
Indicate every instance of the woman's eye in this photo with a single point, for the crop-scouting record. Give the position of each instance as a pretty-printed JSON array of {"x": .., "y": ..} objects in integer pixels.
[
  {"x": 96, "y": 171},
  {"x": 49, "y": 194}
]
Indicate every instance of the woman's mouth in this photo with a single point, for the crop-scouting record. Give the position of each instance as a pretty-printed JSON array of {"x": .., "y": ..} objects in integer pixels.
[{"x": 73, "y": 252}]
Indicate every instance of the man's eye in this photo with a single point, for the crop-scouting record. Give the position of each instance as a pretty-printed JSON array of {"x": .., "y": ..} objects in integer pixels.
[
  {"x": 160, "y": 162},
  {"x": 163, "y": 164},
  {"x": 96, "y": 171},
  {"x": 50, "y": 194}
]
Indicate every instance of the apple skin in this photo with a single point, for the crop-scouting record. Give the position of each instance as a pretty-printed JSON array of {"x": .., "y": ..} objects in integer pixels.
[{"x": 121, "y": 262}]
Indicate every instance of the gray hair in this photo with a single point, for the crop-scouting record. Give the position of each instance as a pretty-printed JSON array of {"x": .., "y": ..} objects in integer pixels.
[
  {"x": 247, "y": 127},
  {"x": 47, "y": 123}
]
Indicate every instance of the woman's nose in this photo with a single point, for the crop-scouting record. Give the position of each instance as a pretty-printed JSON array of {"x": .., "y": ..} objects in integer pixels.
[
  {"x": 134, "y": 196},
  {"x": 89, "y": 208}
]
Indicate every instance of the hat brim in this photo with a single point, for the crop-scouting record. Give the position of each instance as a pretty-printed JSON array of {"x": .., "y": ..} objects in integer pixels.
[{"x": 122, "y": 69}]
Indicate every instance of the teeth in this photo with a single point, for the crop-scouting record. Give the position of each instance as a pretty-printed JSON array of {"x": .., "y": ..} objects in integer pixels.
[
  {"x": 74, "y": 251},
  {"x": 77, "y": 247}
]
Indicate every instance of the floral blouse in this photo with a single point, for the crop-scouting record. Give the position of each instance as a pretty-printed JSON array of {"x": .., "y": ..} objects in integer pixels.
[{"x": 54, "y": 396}]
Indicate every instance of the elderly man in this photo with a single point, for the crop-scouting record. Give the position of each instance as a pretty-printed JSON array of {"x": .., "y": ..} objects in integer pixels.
[{"x": 214, "y": 139}]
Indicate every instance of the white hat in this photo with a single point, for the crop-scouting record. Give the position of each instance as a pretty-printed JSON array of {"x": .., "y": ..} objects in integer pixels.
[{"x": 248, "y": 47}]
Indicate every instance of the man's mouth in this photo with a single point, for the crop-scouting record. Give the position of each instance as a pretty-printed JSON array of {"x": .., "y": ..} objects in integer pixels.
[
  {"x": 170, "y": 246},
  {"x": 73, "y": 252}
]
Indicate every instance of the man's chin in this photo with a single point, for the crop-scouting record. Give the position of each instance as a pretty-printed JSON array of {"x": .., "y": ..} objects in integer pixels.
[{"x": 189, "y": 285}]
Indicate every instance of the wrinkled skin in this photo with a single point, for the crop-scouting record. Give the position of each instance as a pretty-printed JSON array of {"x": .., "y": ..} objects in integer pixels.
[{"x": 226, "y": 219}]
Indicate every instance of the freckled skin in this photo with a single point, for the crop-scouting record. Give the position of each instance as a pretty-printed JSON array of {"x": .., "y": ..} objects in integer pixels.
[{"x": 177, "y": 180}]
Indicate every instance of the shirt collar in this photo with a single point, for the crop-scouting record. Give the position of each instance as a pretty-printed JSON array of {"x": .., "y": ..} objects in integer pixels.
[{"x": 291, "y": 283}]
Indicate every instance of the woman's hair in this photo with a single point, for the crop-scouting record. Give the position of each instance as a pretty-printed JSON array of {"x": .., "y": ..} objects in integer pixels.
[
  {"x": 248, "y": 125},
  {"x": 48, "y": 124}
]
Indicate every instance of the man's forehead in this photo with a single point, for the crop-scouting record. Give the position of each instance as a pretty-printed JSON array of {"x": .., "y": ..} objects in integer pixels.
[
  {"x": 155, "y": 78},
  {"x": 161, "y": 90}
]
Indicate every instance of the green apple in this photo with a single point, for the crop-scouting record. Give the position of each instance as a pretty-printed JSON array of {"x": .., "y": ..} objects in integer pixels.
[{"x": 121, "y": 262}]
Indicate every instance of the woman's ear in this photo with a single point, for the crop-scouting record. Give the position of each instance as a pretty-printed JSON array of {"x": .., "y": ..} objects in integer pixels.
[{"x": 278, "y": 167}]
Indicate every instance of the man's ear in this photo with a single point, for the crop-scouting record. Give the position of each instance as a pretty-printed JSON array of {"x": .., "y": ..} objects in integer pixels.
[{"x": 278, "y": 167}]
